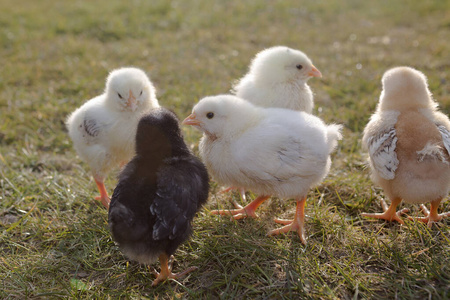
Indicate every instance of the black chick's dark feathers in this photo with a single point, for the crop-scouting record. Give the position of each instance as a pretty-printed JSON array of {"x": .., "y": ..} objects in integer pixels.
[{"x": 159, "y": 191}]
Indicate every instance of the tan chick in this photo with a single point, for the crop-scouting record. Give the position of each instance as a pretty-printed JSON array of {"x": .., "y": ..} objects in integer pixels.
[{"x": 408, "y": 141}]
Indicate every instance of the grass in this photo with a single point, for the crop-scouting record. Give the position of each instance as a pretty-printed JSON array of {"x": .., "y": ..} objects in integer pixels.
[{"x": 54, "y": 55}]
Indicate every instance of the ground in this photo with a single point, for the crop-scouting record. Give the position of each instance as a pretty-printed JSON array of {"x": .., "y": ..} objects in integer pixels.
[{"x": 55, "y": 55}]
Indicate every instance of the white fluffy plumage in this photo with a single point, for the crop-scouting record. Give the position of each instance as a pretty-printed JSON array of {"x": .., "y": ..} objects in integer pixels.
[
  {"x": 271, "y": 151},
  {"x": 103, "y": 129},
  {"x": 278, "y": 77},
  {"x": 408, "y": 141}
]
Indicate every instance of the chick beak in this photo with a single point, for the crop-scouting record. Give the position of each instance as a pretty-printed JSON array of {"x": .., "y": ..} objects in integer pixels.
[
  {"x": 131, "y": 102},
  {"x": 315, "y": 72},
  {"x": 191, "y": 120}
]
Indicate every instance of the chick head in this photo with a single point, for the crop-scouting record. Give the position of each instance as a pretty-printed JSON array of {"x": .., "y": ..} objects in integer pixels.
[
  {"x": 405, "y": 88},
  {"x": 282, "y": 64},
  {"x": 222, "y": 114},
  {"x": 129, "y": 89},
  {"x": 159, "y": 135}
]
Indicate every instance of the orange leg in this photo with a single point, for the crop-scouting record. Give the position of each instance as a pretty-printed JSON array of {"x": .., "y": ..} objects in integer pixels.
[
  {"x": 166, "y": 270},
  {"x": 240, "y": 213},
  {"x": 241, "y": 192},
  {"x": 297, "y": 224},
  {"x": 227, "y": 190},
  {"x": 432, "y": 214},
  {"x": 103, "y": 194},
  {"x": 389, "y": 212}
]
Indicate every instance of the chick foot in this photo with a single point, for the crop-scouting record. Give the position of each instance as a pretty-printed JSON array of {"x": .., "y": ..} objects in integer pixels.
[
  {"x": 389, "y": 212},
  {"x": 432, "y": 214},
  {"x": 297, "y": 224},
  {"x": 244, "y": 212},
  {"x": 103, "y": 194},
  {"x": 241, "y": 192},
  {"x": 166, "y": 270}
]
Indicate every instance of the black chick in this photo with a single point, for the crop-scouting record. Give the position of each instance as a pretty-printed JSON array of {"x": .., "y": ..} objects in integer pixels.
[{"x": 158, "y": 194}]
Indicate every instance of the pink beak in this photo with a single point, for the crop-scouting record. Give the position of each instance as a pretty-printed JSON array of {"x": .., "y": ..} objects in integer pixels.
[
  {"x": 315, "y": 72},
  {"x": 131, "y": 102},
  {"x": 191, "y": 120}
]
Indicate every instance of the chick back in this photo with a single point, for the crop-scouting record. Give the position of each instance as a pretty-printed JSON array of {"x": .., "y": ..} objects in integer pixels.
[
  {"x": 152, "y": 207},
  {"x": 419, "y": 178}
]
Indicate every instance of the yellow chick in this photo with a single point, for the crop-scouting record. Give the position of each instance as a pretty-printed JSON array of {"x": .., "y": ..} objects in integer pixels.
[{"x": 408, "y": 141}]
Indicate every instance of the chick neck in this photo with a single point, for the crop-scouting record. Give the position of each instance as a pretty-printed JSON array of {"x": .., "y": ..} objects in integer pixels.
[
  {"x": 406, "y": 100},
  {"x": 241, "y": 122}
]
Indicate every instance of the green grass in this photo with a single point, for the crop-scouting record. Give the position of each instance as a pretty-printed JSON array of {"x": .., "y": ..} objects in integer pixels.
[{"x": 54, "y": 55}]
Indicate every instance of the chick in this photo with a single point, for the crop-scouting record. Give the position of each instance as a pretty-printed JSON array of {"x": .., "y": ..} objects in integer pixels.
[
  {"x": 103, "y": 129},
  {"x": 159, "y": 192},
  {"x": 271, "y": 151},
  {"x": 408, "y": 141},
  {"x": 278, "y": 77}
]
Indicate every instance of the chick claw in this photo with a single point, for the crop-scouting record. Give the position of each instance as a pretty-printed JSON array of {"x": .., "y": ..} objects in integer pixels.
[
  {"x": 241, "y": 213},
  {"x": 236, "y": 214},
  {"x": 227, "y": 190},
  {"x": 166, "y": 270},
  {"x": 297, "y": 224},
  {"x": 283, "y": 221},
  {"x": 241, "y": 192},
  {"x": 389, "y": 213},
  {"x": 433, "y": 216},
  {"x": 161, "y": 277},
  {"x": 291, "y": 225},
  {"x": 104, "y": 200}
]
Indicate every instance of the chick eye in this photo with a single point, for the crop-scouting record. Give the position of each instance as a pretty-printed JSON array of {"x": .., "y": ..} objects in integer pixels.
[
  {"x": 210, "y": 115},
  {"x": 140, "y": 94},
  {"x": 120, "y": 96},
  {"x": 299, "y": 67}
]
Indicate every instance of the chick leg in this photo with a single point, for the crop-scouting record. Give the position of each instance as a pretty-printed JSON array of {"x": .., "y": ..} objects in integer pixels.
[
  {"x": 240, "y": 213},
  {"x": 241, "y": 192},
  {"x": 103, "y": 194},
  {"x": 432, "y": 214},
  {"x": 389, "y": 212},
  {"x": 293, "y": 225},
  {"x": 166, "y": 270}
]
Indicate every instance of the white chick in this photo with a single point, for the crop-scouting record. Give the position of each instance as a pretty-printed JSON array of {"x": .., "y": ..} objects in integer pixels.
[
  {"x": 103, "y": 129},
  {"x": 408, "y": 141},
  {"x": 278, "y": 77},
  {"x": 271, "y": 151}
]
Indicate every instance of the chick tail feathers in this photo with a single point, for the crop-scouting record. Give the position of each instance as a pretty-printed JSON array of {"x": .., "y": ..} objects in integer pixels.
[{"x": 333, "y": 136}]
